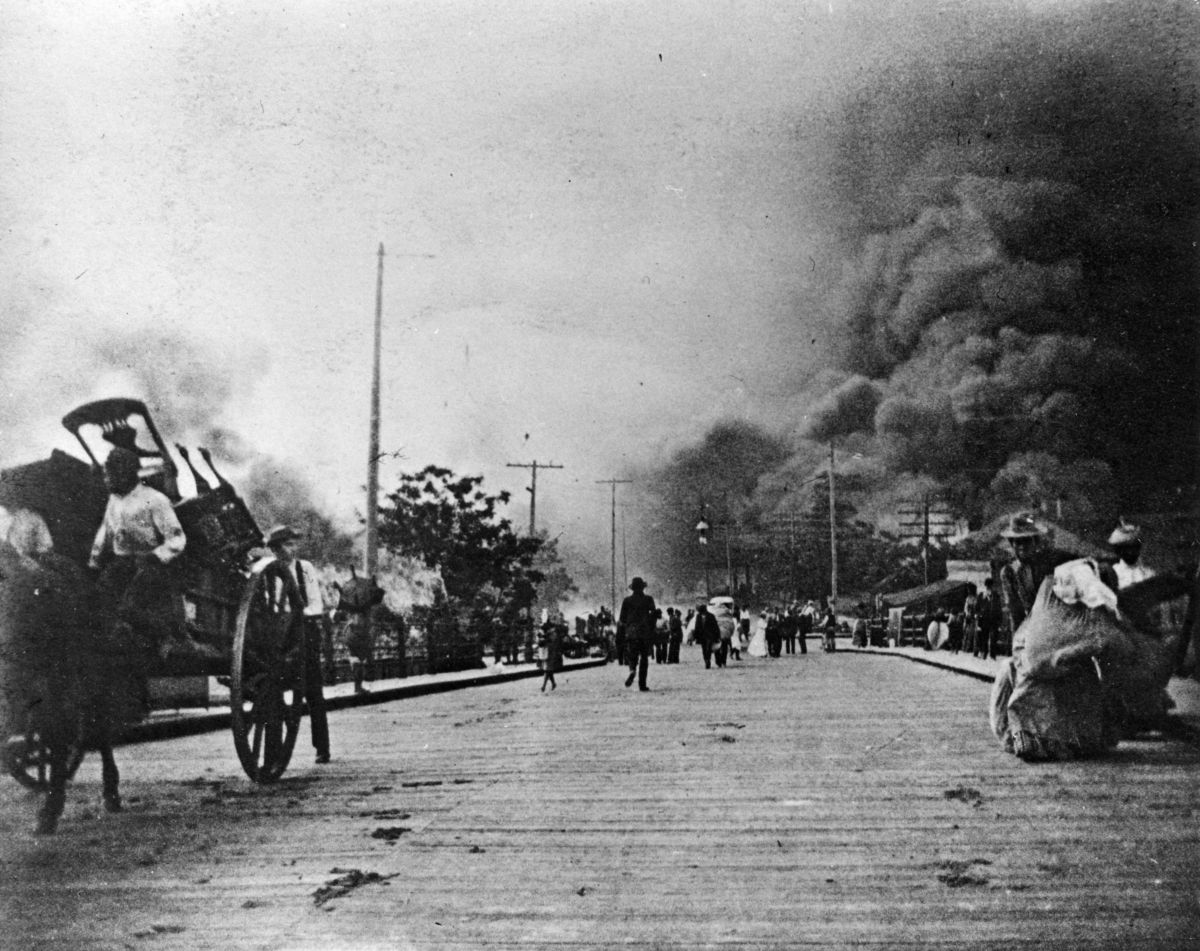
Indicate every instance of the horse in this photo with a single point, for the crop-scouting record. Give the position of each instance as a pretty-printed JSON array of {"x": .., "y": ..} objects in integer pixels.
[{"x": 68, "y": 678}]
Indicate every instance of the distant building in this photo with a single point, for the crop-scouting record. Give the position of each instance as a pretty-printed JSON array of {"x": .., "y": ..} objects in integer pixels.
[{"x": 976, "y": 572}]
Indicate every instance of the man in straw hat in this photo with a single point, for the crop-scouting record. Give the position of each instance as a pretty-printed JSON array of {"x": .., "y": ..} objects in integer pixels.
[
  {"x": 282, "y": 542},
  {"x": 637, "y": 619},
  {"x": 1126, "y": 543}
]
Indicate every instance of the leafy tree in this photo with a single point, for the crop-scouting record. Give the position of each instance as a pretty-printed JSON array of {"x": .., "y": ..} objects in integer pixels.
[
  {"x": 491, "y": 577},
  {"x": 454, "y": 527}
]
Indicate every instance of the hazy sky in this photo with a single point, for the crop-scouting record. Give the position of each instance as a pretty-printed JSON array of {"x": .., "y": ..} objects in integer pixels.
[{"x": 606, "y": 223}]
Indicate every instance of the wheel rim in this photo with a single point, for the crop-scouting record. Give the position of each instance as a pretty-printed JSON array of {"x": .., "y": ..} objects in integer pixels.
[
  {"x": 27, "y": 760},
  {"x": 266, "y": 686}
]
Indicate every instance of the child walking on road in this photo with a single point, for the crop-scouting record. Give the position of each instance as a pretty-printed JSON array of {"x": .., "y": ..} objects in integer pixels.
[{"x": 550, "y": 652}]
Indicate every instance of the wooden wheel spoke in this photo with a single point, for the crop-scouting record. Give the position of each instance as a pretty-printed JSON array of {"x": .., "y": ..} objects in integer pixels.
[{"x": 256, "y": 747}]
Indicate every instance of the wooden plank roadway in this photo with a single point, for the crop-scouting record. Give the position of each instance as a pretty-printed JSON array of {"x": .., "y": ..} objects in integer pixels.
[{"x": 811, "y": 801}]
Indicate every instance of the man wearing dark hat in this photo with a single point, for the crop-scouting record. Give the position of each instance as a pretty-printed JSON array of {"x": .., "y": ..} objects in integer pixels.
[
  {"x": 706, "y": 633},
  {"x": 139, "y": 537},
  {"x": 637, "y": 620},
  {"x": 1020, "y": 578},
  {"x": 282, "y": 542}
]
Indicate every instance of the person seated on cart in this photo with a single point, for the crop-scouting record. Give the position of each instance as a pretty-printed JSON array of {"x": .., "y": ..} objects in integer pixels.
[{"x": 138, "y": 540}]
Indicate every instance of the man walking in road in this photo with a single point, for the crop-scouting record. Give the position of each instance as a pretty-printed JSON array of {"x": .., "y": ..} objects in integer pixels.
[
  {"x": 675, "y": 629},
  {"x": 637, "y": 621},
  {"x": 706, "y": 633},
  {"x": 282, "y": 541}
]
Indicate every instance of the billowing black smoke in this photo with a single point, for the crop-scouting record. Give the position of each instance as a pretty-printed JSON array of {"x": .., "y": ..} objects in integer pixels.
[
  {"x": 716, "y": 477},
  {"x": 1016, "y": 200},
  {"x": 1016, "y": 321},
  {"x": 1022, "y": 215}
]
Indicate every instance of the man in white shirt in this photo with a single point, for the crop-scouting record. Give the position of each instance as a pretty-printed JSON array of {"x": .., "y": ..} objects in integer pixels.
[
  {"x": 282, "y": 542},
  {"x": 139, "y": 537}
]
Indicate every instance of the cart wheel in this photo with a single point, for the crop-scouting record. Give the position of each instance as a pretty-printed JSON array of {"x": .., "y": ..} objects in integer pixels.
[
  {"x": 267, "y": 680},
  {"x": 27, "y": 760}
]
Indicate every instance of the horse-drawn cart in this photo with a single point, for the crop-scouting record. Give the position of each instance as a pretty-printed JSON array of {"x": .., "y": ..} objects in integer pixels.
[{"x": 241, "y": 615}]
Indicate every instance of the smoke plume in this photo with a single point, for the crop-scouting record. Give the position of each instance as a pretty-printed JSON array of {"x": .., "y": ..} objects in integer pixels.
[
  {"x": 1024, "y": 278},
  {"x": 1016, "y": 318},
  {"x": 190, "y": 389}
]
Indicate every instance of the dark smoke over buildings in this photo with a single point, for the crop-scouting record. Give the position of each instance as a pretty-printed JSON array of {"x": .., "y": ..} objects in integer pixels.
[
  {"x": 1017, "y": 203},
  {"x": 1022, "y": 214}
]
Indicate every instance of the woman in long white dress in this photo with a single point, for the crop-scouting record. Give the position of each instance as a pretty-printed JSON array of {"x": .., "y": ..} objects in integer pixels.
[{"x": 758, "y": 643}]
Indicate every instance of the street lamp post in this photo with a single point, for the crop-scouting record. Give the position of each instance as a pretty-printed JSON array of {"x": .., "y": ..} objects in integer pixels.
[{"x": 702, "y": 534}]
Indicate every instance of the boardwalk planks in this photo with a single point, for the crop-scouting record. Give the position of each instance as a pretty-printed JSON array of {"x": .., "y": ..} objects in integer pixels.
[{"x": 812, "y": 801}]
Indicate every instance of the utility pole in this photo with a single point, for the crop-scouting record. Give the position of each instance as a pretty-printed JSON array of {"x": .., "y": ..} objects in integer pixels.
[
  {"x": 793, "y": 568},
  {"x": 532, "y": 490},
  {"x": 832, "y": 533},
  {"x": 614, "y": 483},
  {"x": 371, "y": 552},
  {"x": 372, "y": 543},
  {"x": 624, "y": 555},
  {"x": 931, "y": 523},
  {"x": 728, "y": 562}
]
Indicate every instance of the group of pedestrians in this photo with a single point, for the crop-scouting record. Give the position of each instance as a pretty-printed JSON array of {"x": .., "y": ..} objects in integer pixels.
[{"x": 722, "y": 631}]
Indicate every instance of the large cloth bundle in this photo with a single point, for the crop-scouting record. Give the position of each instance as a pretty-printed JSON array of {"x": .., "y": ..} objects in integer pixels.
[{"x": 1086, "y": 666}]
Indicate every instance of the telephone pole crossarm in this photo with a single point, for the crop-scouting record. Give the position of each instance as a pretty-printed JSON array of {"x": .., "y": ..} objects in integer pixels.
[{"x": 532, "y": 490}]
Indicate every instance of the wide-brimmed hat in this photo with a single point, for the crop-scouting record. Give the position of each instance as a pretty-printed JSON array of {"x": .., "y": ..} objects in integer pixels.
[
  {"x": 1125, "y": 534},
  {"x": 637, "y": 584},
  {"x": 280, "y": 534},
  {"x": 1022, "y": 525}
]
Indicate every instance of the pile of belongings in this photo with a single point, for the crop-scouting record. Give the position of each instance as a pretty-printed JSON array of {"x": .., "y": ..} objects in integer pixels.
[{"x": 1089, "y": 666}]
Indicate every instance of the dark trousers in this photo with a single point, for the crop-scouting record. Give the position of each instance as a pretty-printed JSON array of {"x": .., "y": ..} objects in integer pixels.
[
  {"x": 803, "y": 641},
  {"x": 660, "y": 653},
  {"x": 144, "y": 594},
  {"x": 706, "y": 649},
  {"x": 673, "y": 650},
  {"x": 721, "y": 653},
  {"x": 638, "y": 656},
  {"x": 314, "y": 678},
  {"x": 789, "y": 644}
]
